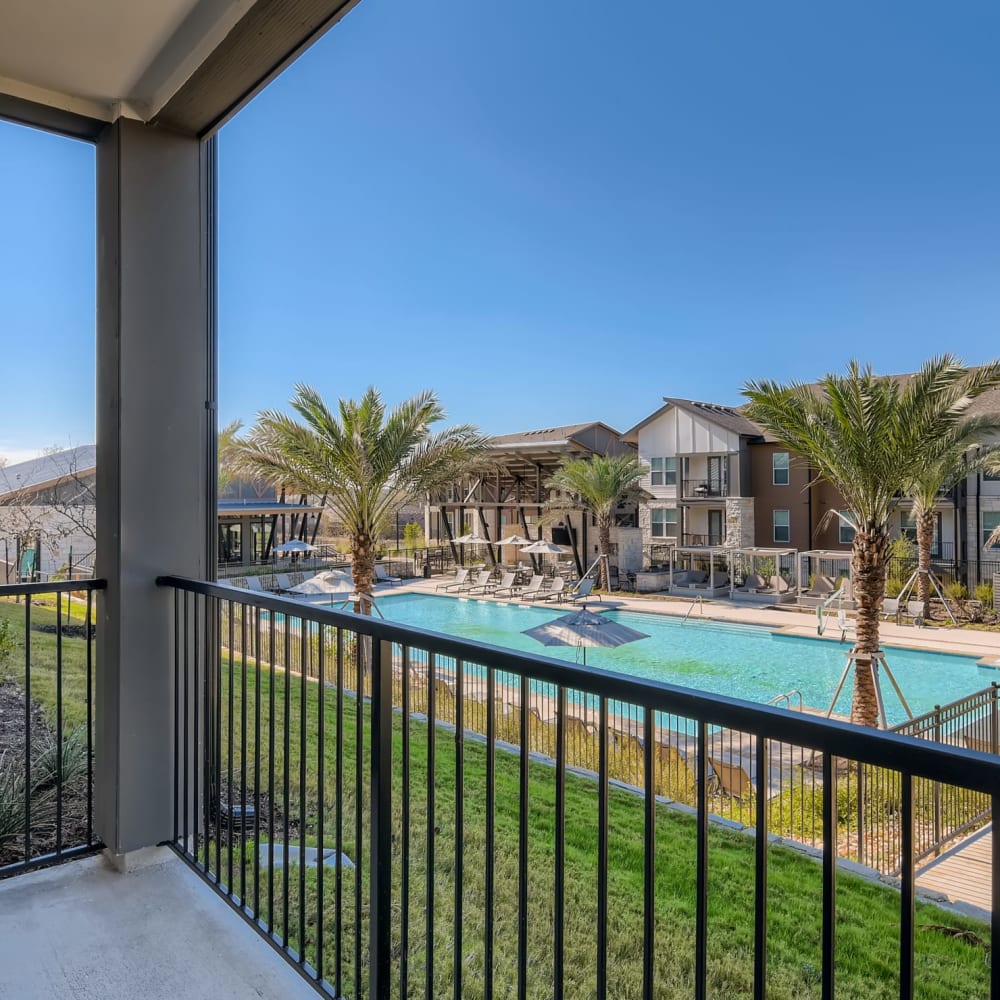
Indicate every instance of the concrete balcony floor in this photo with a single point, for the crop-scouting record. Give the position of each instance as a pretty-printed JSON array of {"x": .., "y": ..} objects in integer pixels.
[{"x": 82, "y": 931}]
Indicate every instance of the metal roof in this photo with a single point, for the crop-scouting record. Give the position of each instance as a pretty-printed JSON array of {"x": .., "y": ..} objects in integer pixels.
[{"x": 48, "y": 470}]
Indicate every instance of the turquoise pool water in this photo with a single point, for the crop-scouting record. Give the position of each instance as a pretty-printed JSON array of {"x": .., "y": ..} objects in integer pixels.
[{"x": 741, "y": 661}]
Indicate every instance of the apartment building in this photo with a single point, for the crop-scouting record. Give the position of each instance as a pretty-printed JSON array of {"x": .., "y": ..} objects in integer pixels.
[{"x": 716, "y": 478}]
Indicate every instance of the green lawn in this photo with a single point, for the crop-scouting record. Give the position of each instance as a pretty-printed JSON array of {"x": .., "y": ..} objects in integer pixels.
[{"x": 867, "y": 951}]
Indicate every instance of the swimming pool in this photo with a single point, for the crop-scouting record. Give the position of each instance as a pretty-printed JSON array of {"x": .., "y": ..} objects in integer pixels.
[{"x": 741, "y": 661}]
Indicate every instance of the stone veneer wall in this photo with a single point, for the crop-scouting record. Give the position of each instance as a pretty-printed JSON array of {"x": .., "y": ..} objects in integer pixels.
[
  {"x": 629, "y": 542},
  {"x": 739, "y": 522}
]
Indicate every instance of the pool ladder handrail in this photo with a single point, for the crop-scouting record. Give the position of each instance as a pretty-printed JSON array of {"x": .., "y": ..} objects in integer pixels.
[
  {"x": 787, "y": 698},
  {"x": 697, "y": 602}
]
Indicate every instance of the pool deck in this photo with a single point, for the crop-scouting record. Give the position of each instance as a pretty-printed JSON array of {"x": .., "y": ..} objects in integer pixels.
[{"x": 788, "y": 619}]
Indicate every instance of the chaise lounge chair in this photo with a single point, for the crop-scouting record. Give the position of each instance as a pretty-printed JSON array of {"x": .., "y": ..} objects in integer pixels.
[
  {"x": 459, "y": 580},
  {"x": 505, "y": 586},
  {"x": 480, "y": 582},
  {"x": 534, "y": 589},
  {"x": 753, "y": 584},
  {"x": 556, "y": 592},
  {"x": 732, "y": 777},
  {"x": 582, "y": 591}
]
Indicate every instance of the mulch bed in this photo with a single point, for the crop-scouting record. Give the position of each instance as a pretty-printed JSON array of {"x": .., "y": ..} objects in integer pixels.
[
  {"x": 68, "y": 631},
  {"x": 74, "y": 797}
]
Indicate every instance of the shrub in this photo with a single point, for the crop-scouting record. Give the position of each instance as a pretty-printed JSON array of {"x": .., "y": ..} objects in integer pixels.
[
  {"x": 7, "y": 642},
  {"x": 984, "y": 594},
  {"x": 957, "y": 591},
  {"x": 893, "y": 586}
]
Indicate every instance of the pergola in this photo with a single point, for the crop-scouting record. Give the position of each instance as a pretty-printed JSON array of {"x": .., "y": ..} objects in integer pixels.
[
  {"x": 833, "y": 563},
  {"x": 753, "y": 559},
  {"x": 713, "y": 556}
]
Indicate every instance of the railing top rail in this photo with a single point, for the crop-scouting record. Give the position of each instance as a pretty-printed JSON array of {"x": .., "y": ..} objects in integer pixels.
[
  {"x": 883, "y": 749},
  {"x": 949, "y": 712},
  {"x": 52, "y": 587}
]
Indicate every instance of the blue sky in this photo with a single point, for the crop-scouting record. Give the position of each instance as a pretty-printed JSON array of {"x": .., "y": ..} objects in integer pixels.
[{"x": 554, "y": 214}]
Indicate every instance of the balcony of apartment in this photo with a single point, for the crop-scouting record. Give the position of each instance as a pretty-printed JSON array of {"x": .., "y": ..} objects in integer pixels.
[
  {"x": 319, "y": 766},
  {"x": 704, "y": 489}
]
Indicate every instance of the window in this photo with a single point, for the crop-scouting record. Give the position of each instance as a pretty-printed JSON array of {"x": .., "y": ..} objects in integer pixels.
[
  {"x": 663, "y": 471},
  {"x": 664, "y": 522},
  {"x": 782, "y": 526},
  {"x": 991, "y": 521},
  {"x": 908, "y": 529},
  {"x": 779, "y": 468},
  {"x": 846, "y": 532}
]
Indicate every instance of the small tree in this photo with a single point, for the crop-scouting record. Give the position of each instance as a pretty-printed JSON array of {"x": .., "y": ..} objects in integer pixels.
[
  {"x": 413, "y": 537},
  {"x": 366, "y": 459},
  {"x": 597, "y": 485}
]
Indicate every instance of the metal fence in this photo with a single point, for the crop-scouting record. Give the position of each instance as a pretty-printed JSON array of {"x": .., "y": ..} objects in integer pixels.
[
  {"x": 47, "y": 637},
  {"x": 431, "y": 779}
]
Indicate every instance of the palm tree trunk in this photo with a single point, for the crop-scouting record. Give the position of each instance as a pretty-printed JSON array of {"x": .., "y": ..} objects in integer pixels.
[
  {"x": 603, "y": 547},
  {"x": 925, "y": 538},
  {"x": 363, "y": 570},
  {"x": 868, "y": 563}
]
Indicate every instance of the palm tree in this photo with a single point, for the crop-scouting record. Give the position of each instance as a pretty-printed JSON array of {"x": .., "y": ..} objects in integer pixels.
[
  {"x": 366, "y": 459},
  {"x": 867, "y": 436},
  {"x": 946, "y": 460},
  {"x": 227, "y": 448},
  {"x": 598, "y": 485}
]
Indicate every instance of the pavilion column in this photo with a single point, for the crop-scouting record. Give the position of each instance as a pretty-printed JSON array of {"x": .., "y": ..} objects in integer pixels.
[{"x": 155, "y": 453}]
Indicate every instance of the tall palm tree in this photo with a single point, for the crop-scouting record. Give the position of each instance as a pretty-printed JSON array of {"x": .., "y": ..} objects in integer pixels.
[
  {"x": 866, "y": 436},
  {"x": 598, "y": 485},
  {"x": 366, "y": 459},
  {"x": 946, "y": 460}
]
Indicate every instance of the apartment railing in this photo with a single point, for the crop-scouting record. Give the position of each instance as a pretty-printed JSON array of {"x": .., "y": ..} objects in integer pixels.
[
  {"x": 399, "y": 812},
  {"x": 703, "y": 489},
  {"x": 47, "y": 642},
  {"x": 703, "y": 538}
]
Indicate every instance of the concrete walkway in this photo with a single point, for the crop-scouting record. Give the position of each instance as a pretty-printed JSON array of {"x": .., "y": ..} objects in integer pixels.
[
  {"x": 82, "y": 931},
  {"x": 964, "y": 874},
  {"x": 789, "y": 619}
]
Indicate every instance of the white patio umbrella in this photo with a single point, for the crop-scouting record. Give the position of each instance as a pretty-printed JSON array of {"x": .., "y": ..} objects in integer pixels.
[
  {"x": 472, "y": 539},
  {"x": 333, "y": 581},
  {"x": 542, "y": 547},
  {"x": 582, "y": 629},
  {"x": 515, "y": 540},
  {"x": 295, "y": 545}
]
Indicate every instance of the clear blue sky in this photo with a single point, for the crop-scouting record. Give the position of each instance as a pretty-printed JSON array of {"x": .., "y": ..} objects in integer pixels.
[{"x": 563, "y": 211}]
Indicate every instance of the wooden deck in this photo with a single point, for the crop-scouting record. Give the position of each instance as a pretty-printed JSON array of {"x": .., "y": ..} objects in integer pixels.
[{"x": 963, "y": 874}]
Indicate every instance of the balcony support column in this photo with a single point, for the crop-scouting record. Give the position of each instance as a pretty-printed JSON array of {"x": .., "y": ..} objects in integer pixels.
[{"x": 155, "y": 450}]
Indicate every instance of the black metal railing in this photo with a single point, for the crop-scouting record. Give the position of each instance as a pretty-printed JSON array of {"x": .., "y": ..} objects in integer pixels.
[
  {"x": 703, "y": 538},
  {"x": 406, "y": 814},
  {"x": 47, "y": 642},
  {"x": 704, "y": 489}
]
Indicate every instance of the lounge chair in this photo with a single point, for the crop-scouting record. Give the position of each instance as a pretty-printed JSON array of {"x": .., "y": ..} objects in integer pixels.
[
  {"x": 753, "y": 584},
  {"x": 381, "y": 576},
  {"x": 890, "y": 608},
  {"x": 557, "y": 591},
  {"x": 534, "y": 589},
  {"x": 459, "y": 580},
  {"x": 779, "y": 585},
  {"x": 822, "y": 586},
  {"x": 732, "y": 777},
  {"x": 479, "y": 583},
  {"x": 254, "y": 584},
  {"x": 583, "y": 590},
  {"x": 505, "y": 586},
  {"x": 282, "y": 583},
  {"x": 484, "y": 583}
]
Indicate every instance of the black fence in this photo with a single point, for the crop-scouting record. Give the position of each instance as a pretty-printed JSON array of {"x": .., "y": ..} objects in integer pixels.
[
  {"x": 404, "y": 814},
  {"x": 47, "y": 638}
]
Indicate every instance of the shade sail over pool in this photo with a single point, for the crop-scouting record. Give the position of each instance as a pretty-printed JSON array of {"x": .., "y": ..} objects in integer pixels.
[{"x": 584, "y": 628}]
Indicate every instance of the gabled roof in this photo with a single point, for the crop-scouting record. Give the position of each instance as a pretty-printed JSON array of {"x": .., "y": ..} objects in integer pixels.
[
  {"x": 727, "y": 417},
  {"x": 547, "y": 436},
  {"x": 48, "y": 470}
]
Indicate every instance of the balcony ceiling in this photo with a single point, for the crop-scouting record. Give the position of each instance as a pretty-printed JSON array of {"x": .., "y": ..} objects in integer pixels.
[
  {"x": 94, "y": 57},
  {"x": 184, "y": 64}
]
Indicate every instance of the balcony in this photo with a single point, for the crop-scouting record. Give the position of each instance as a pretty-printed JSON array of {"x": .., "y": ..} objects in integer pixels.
[
  {"x": 704, "y": 489},
  {"x": 323, "y": 764},
  {"x": 703, "y": 538}
]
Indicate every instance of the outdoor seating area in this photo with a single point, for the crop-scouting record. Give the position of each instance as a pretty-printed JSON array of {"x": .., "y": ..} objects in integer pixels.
[{"x": 699, "y": 570}]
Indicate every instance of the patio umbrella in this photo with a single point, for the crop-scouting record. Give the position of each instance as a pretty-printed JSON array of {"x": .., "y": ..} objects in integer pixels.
[
  {"x": 472, "y": 539},
  {"x": 515, "y": 540},
  {"x": 334, "y": 581},
  {"x": 542, "y": 547},
  {"x": 583, "y": 628},
  {"x": 295, "y": 546}
]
